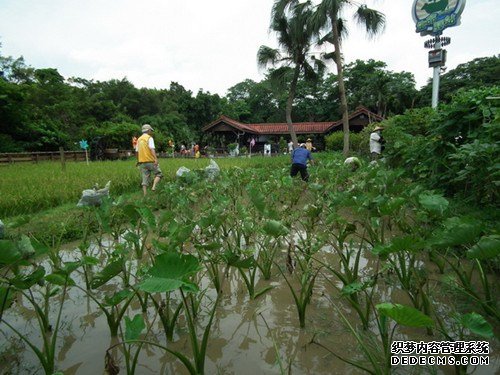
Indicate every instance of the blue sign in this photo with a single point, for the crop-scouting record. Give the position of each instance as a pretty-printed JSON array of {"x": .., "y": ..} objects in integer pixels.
[
  {"x": 83, "y": 144},
  {"x": 433, "y": 16}
]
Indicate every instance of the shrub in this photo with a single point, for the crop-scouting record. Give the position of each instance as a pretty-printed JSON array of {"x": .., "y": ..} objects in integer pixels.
[
  {"x": 455, "y": 148},
  {"x": 335, "y": 141}
]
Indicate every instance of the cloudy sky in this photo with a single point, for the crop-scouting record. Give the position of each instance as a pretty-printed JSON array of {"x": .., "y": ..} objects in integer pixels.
[{"x": 210, "y": 45}]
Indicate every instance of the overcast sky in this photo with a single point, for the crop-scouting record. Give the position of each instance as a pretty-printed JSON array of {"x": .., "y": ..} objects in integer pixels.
[{"x": 208, "y": 44}]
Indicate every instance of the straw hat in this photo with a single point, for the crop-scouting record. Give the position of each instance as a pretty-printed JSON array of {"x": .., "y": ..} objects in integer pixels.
[{"x": 378, "y": 128}]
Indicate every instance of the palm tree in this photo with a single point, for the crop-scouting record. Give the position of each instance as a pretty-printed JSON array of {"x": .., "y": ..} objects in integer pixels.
[
  {"x": 327, "y": 17},
  {"x": 291, "y": 23}
]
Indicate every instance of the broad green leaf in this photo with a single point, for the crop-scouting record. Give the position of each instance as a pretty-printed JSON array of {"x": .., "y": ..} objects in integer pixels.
[
  {"x": 405, "y": 315},
  {"x": 408, "y": 243},
  {"x": 90, "y": 261},
  {"x": 275, "y": 228},
  {"x": 353, "y": 288},
  {"x": 107, "y": 273},
  {"x": 147, "y": 216},
  {"x": 71, "y": 266},
  {"x": 476, "y": 324},
  {"x": 257, "y": 199},
  {"x": 174, "y": 265},
  {"x": 131, "y": 237},
  {"x": 170, "y": 272},
  {"x": 134, "y": 327},
  {"x": 59, "y": 278},
  {"x": 116, "y": 298},
  {"x": 27, "y": 281},
  {"x": 9, "y": 253},
  {"x": 457, "y": 231},
  {"x": 392, "y": 205},
  {"x": 40, "y": 248},
  {"x": 244, "y": 263},
  {"x": 132, "y": 213},
  {"x": 433, "y": 203},
  {"x": 488, "y": 247}
]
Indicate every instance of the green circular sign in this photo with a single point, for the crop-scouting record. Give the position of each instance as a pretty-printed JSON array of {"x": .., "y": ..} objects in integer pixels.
[{"x": 433, "y": 16}]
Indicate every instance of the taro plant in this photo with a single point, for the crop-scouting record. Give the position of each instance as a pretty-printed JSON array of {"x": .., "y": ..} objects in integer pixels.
[
  {"x": 247, "y": 267},
  {"x": 463, "y": 234},
  {"x": 375, "y": 348},
  {"x": 133, "y": 330},
  {"x": 113, "y": 307},
  {"x": 212, "y": 258},
  {"x": 460, "y": 328},
  {"x": 168, "y": 313},
  {"x": 173, "y": 271},
  {"x": 402, "y": 254},
  {"x": 270, "y": 245},
  {"x": 20, "y": 274},
  {"x": 305, "y": 275}
]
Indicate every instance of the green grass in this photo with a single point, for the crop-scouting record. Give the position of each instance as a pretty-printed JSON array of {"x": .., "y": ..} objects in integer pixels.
[{"x": 30, "y": 188}]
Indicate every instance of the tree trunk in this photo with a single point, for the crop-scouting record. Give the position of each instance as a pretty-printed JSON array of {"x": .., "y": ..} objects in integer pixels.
[
  {"x": 289, "y": 102},
  {"x": 340, "y": 80}
]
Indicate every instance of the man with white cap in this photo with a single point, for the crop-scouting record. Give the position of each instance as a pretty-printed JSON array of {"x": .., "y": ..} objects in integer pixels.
[
  {"x": 376, "y": 141},
  {"x": 147, "y": 159}
]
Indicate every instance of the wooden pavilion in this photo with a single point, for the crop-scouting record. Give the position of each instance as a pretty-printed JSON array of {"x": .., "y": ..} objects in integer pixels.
[{"x": 234, "y": 131}]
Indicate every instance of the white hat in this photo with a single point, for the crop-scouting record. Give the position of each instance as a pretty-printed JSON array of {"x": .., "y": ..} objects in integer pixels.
[
  {"x": 146, "y": 128},
  {"x": 302, "y": 145}
]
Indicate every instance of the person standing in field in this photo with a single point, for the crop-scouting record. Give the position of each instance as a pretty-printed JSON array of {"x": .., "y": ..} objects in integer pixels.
[
  {"x": 309, "y": 144},
  {"x": 376, "y": 141},
  {"x": 147, "y": 159},
  {"x": 300, "y": 156}
]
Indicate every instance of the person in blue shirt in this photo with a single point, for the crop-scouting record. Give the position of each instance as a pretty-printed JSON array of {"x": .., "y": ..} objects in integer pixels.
[{"x": 300, "y": 156}]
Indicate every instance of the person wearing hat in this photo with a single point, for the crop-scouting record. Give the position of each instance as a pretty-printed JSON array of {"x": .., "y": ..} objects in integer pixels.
[
  {"x": 300, "y": 156},
  {"x": 147, "y": 159},
  {"x": 376, "y": 141},
  {"x": 309, "y": 144}
]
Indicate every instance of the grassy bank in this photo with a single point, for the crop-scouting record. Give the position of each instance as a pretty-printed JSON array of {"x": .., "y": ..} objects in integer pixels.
[
  {"x": 31, "y": 188},
  {"x": 39, "y": 200}
]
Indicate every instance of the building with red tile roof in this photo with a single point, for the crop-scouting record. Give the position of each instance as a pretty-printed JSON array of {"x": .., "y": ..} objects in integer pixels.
[{"x": 233, "y": 130}]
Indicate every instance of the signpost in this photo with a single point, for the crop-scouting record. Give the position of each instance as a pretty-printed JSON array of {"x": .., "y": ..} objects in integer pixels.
[{"x": 431, "y": 18}]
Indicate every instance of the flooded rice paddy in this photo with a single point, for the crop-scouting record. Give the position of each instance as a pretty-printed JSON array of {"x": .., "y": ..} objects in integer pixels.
[{"x": 260, "y": 336}]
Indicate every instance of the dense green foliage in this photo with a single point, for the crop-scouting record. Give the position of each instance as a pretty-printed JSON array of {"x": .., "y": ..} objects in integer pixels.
[
  {"x": 41, "y": 110},
  {"x": 475, "y": 74},
  {"x": 455, "y": 149}
]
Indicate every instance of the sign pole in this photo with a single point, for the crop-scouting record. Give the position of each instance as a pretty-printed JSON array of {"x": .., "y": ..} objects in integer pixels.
[
  {"x": 431, "y": 18},
  {"x": 435, "y": 81}
]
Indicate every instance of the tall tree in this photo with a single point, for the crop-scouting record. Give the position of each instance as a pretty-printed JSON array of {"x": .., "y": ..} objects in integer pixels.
[
  {"x": 480, "y": 72},
  {"x": 328, "y": 18},
  {"x": 370, "y": 84},
  {"x": 290, "y": 22}
]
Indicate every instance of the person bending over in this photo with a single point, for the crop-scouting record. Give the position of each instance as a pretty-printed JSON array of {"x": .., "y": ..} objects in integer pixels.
[{"x": 300, "y": 157}]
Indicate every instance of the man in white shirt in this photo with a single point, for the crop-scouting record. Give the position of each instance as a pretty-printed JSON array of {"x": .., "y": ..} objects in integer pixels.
[{"x": 376, "y": 142}]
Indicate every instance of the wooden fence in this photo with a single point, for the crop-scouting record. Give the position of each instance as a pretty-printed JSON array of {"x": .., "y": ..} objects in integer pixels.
[{"x": 35, "y": 157}]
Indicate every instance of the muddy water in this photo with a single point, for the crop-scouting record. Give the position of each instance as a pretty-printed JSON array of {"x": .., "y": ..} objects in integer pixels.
[{"x": 240, "y": 341}]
